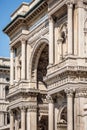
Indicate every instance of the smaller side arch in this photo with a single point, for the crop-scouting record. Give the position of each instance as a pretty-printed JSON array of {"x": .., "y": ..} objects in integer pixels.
[{"x": 62, "y": 115}]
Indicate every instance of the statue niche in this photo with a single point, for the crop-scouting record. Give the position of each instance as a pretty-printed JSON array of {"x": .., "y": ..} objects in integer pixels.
[{"x": 62, "y": 40}]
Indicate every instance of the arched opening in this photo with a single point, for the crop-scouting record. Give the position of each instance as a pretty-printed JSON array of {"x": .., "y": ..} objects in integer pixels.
[
  {"x": 43, "y": 123},
  {"x": 40, "y": 61},
  {"x": 38, "y": 64},
  {"x": 62, "y": 123},
  {"x": 42, "y": 68}
]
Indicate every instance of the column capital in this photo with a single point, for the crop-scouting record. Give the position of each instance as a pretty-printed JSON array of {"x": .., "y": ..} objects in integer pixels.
[
  {"x": 79, "y": 4},
  {"x": 22, "y": 108},
  {"x": 11, "y": 112},
  {"x": 69, "y": 92},
  {"x": 23, "y": 41},
  {"x": 51, "y": 19},
  {"x": 69, "y": 3},
  {"x": 49, "y": 99}
]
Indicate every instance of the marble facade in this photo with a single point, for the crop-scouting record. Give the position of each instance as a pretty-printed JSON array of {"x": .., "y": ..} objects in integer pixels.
[{"x": 48, "y": 65}]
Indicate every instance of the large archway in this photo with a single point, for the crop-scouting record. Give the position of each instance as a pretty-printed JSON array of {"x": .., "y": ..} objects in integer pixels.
[{"x": 40, "y": 61}]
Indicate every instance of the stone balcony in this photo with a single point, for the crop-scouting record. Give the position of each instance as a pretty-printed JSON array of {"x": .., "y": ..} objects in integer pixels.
[
  {"x": 24, "y": 87},
  {"x": 69, "y": 63},
  {"x": 71, "y": 72}
]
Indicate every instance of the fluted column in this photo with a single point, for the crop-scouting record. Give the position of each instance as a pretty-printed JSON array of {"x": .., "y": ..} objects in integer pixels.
[
  {"x": 23, "y": 118},
  {"x": 32, "y": 117},
  {"x": 11, "y": 66},
  {"x": 70, "y": 116},
  {"x": 23, "y": 42},
  {"x": 70, "y": 27},
  {"x": 51, "y": 113},
  {"x": 11, "y": 120},
  {"x": 80, "y": 8},
  {"x": 51, "y": 44}
]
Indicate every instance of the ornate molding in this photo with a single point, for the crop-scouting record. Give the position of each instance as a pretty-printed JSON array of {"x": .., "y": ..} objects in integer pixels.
[{"x": 81, "y": 92}]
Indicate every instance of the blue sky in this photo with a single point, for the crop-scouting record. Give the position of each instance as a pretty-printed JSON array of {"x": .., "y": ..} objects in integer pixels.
[{"x": 7, "y": 7}]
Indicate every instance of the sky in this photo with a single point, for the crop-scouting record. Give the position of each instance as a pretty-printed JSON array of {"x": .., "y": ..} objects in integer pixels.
[{"x": 7, "y": 7}]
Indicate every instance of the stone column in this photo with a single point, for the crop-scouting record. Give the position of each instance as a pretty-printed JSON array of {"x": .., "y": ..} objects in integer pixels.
[
  {"x": 31, "y": 118},
  {"x": 70, "y": 28},
  {"x": 51, "y": 113},
  {"x": 23, "y": 126},
  {"x": 11, "y": 120},
  {"x": 70, "y": 116},
  {"x": 16, "y": 125},
  {"x": 51, "y": 41},
  {"x": 11, "y": 66},
  {"x": 23, "y": 59}
]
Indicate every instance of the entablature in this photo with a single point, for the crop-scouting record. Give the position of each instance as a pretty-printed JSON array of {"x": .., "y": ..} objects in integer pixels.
[
  {"x": 71, "y": 72},
  {"x": 22, "y": 88},
  {"x": 23, "y": 20}
]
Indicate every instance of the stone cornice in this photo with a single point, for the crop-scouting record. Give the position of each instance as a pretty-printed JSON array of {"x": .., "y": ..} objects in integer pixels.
[{"x": 25, "y": 18}]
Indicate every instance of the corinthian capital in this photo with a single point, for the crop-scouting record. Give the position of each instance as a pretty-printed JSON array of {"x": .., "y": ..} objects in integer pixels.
[
  {"x": 69, "y": 91},
  {"x": 49, "y": 99},
  {"x": 69, "y": 3}
]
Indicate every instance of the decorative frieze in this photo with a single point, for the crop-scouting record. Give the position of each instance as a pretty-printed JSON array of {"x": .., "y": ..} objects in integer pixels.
[{"x": 81, "y": 92}]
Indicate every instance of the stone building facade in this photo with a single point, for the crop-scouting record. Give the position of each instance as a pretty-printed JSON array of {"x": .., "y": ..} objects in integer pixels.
[
  {"x": 48, "y": 73},
  {"x": 4, "y": 89}
]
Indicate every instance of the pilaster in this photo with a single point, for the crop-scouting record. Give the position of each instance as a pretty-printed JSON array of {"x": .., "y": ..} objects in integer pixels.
[
  {"x": 51, "y": 41},
  {"x": 70, "y": 27},
  {"x": 32, "y": 117},
  {"x": 11, "y": 66},
  {"x": 23, "y": 126},
  {"x": 23, "y": 44},
  {"x": 51, "y": 113},
  {"x": 11, "y": 120},
  {"x": 70, "y": 117}
]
